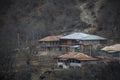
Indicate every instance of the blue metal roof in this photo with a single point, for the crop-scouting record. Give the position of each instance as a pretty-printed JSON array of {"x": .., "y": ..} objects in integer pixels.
[{"x": 82, "y": 36}]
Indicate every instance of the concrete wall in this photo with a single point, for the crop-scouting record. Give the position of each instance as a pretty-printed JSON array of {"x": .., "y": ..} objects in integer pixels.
[
  {"x": 65, "y": 65},
  {"x": 62, "y": 64}
]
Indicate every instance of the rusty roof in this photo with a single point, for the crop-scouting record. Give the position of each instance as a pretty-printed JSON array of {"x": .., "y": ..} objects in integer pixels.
[
  {"x": 67, "y": 46},
  {"x": 112, "y": 48},
  {"x": 76, "y": 55},
  {"x": 51, "y": 38},
  {"x": 105, "y": 58}
]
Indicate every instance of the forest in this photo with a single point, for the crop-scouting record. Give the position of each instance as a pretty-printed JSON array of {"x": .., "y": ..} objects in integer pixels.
[{"x": 23, "y": 22}]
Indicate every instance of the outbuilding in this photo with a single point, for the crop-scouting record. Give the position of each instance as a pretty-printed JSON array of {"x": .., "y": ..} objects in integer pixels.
[{"x": 112, "y": 51}]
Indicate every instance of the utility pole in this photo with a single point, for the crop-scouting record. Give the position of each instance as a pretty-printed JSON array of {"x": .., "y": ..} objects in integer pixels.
[
  {"x": 26, "y": 41},
  {"x": 18, "y": 39},
  {"x": 90, "y": 50},
  {"x": 119, "y": 58},
  {"x": 33, "y": 38}
]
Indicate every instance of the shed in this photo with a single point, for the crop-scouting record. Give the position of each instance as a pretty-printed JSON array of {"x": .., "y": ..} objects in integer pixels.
[{"x": 112, "y": 51}]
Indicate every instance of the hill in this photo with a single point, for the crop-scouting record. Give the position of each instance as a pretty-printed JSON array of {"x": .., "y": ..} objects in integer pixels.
[{"x": 39, "y": 18}]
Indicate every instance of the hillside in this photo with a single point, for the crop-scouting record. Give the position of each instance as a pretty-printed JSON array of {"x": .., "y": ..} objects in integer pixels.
[
  {"x": 39, "y": 18},
  {"x": 23, "y": 22}
]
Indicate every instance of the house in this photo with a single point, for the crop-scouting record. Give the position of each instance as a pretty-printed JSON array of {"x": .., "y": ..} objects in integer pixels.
[
  {"x": 85, "y": 41},
  {"x": 50, "y": 43},
  {"x": 74, "y": 59},
  {"x": 75, "y": 42},
  {"x": 112, "y": 51},
  {"x": 83, "y": 38}
]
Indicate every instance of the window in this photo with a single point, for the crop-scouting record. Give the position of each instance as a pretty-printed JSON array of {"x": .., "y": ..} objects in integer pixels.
[
  {"x": 115, "y": 54},
  {"x": 103, "y": 41},
  {"x": 79, "y": 61}
]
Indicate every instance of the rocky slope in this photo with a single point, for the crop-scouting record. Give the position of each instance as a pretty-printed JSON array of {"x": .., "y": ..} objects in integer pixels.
[{"x": 38, "y": 18}]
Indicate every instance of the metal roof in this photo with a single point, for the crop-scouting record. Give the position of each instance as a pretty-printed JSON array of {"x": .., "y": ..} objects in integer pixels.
[
  {"x": 82, "y": 36},
  {"x": 75, "y": 46}
]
